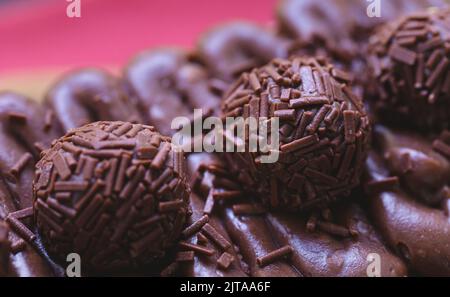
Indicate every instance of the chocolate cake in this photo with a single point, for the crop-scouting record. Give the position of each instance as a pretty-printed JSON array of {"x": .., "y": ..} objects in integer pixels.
[{"x": 236, "y": 221}]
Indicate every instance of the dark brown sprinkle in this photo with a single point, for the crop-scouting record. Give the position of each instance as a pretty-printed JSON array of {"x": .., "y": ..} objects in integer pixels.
[
  {"x": 115, "y": 144},
  {"x": 201, "y": 239},
  {"x": 333, "y": 229},
  {"x": 274, "y": 256},
  {"x": 382, "y": 185},
  {"x": 105, "y": 153},
  {"x": 350, "y": 126},
  {"x": 67, "y": 211},
  {"x": 120, "y": 178},
  {"x": 71, "y": 186},
  {"x": 225, "y": 261},
  {"x": 238, "y": 102},
  {"x": 285, "y": 114},
  {"x": 20, "y": 228},
  {"x": 317, "y": 120},
  {"x": 195, "y": 227},
  {"x": 185, "y": 256},
  {"x": 299, "y": 143},
  {"x": 437, "y": 72},
  {"x": 196, "y": 248},
  {"x": 308, "y": 101},
  {"x": 18, "y": 246},
  {"x": 273, "y": 73},
  {"x": 254, "y": 82},
  {"x": 216, "y": 237},
  {"x": 170, "y": 206},
  {"x": 22, "y": 213},
  {"x": 161, "y": 156},
  {"x": 61, "y": 166},
  {"x": 5, "y": 248},
  {"x": 226, "y": 195},
  {"x": 124, "y": 128},
  {"x": 20, "y": 165},
  {"x": 248, "y": 209},
  {"x": 81, "y": 142}
]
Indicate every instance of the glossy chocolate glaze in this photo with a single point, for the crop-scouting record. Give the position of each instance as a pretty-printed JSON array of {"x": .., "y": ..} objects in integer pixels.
[
  {"x": 413, "y": 217},
  {"x": 168, "y": 84},
  {"x": 22, "y": 124},
  {"x": 232, "y": 48},
  {"x": 204, "y": 266},
  {"x": 90, "y": 95},
  {"x": 314, "y": 253}
]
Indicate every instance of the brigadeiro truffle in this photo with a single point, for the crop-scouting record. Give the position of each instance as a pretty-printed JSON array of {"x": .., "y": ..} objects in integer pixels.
[
  {"x": 113, "y": 192},
  {"x": 409, "y": 62},
  {"x": 324, "y": 132}
]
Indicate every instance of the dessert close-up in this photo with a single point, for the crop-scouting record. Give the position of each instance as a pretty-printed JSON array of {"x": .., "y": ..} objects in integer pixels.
[{"x": 322, "y": 149}]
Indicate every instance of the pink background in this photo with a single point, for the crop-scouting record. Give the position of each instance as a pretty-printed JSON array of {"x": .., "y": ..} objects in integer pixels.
[{"x": 37, "y": 35}]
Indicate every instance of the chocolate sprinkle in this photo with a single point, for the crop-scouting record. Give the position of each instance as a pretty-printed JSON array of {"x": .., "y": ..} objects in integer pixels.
[
  {"x": 5, "y": 247},
  {"x": 274, "y": 256},
  {"x": 215, "y": 237},
  {"x": 225, "y": 261},
  {"x": 195, "y": 227}
]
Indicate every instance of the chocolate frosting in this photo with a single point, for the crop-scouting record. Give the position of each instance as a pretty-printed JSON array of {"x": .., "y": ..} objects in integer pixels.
[
  {"x": 169, "y": 84},
  {"x": 89, "y": 95},
  {"x": 411, "y": 216},
  {"x": 235, "y": 47},
  {"x": 25, "y": 129},
  {"x": 314, "y": 253}
]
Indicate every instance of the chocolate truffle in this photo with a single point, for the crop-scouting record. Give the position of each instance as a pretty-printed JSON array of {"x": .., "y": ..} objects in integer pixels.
[
  {"x": 409, "y": 62},
  {"x": 324, "y": 132},
  {"x": 113, "y": 192}
]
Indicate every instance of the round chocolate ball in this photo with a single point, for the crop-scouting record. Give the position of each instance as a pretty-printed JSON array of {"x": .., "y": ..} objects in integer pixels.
[
  {"x": 323, "y": 129},
  {"x": 113, "y": 192},
  {"x": 409, "y": 63}
]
